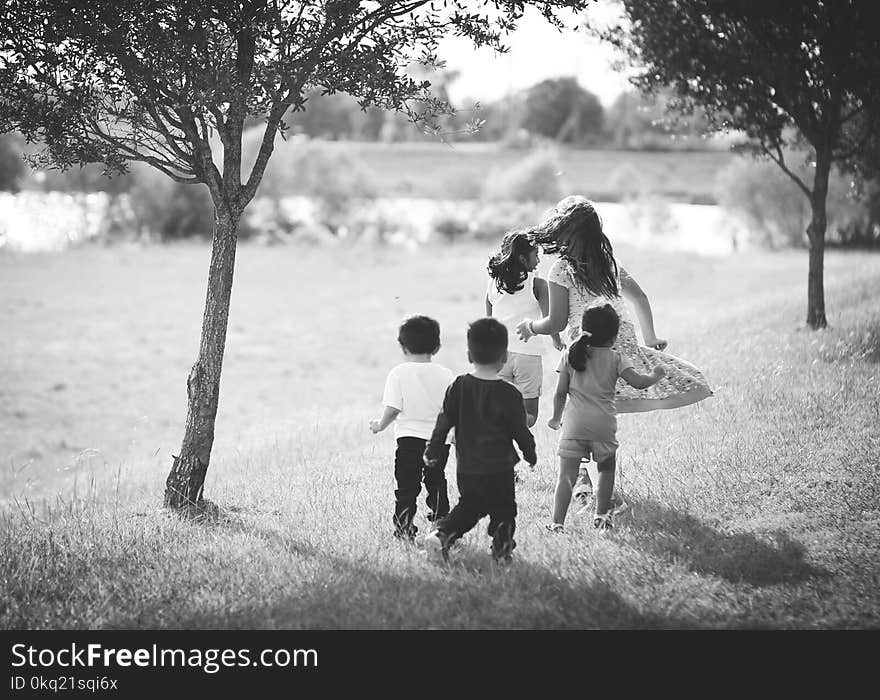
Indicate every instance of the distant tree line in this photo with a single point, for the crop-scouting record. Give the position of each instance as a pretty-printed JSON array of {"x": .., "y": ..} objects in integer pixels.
[{"x": 557, "y": 109}]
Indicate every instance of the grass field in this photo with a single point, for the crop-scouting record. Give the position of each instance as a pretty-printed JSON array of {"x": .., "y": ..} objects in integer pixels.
[{"x": 756, "y": 508}]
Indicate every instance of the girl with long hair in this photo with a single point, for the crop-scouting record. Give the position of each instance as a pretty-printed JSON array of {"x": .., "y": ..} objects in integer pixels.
[
  {"x": 515, "y": 292},
  {"x": 586, "y": 273}
]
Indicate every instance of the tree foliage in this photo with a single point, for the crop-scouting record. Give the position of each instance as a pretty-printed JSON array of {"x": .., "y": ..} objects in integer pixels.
[
  {"x": 11, "y": 165},
  {"x": 560, "y": 109},
  {"x": 787, "y": 74},
  {"x": 158, "y": 81},
  {"x": 646, "y": 122},
  {"x": 762, "y": 68},
  {"x": 151, "y": 80}
]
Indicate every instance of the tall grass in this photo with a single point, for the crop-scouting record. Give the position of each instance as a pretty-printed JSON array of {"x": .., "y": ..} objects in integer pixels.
[{"x": 756, "y": 508}]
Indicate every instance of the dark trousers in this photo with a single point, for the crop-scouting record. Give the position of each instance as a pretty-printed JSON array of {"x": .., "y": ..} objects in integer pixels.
[
  {"x": 409, "y": 472},
  {"x": 481, "y": 495}
]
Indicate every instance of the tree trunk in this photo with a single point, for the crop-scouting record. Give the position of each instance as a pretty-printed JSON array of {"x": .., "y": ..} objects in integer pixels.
[
  {"x": 816, "y": 235},
  {"x": 183, "y": 488}
]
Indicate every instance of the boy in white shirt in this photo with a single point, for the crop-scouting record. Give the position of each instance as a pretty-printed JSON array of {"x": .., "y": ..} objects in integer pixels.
[{"x": 413, "y": 397}]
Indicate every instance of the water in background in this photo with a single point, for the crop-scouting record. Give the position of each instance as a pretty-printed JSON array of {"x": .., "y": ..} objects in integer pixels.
[{"x": 52, "y": 221}]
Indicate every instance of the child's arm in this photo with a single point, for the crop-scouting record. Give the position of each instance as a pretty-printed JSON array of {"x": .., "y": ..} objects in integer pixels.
[
  {"x": 488, "y": 306},
  {"x": 559, "y": 399},
  {"x": 521, "y": 433},
  {"x": 643, "y": 381},
  {"x": 556, "y": 321},
  {"x": 633, "y": 293},
  {"x": 446, "y": 419},
  {"x": 542, "y": 294},
  {"x": 388, "y": 417}
]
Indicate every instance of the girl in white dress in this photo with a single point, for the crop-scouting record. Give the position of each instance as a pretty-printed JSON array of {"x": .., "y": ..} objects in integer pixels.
[
  {"x": 514, "y": 293},
  {"x": 587, "y": 273}
]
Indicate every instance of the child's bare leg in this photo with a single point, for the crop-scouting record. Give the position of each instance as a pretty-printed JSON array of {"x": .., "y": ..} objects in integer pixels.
[
  {"x": 605, "y": 487},
  {"x": 531, "y": 411},
  {"x": 568, "y": 470}
]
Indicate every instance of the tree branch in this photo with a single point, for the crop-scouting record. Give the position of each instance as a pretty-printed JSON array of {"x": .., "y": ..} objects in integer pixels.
[
  {"x": 779, "y": 159},
  {"x": 165, "y": 166}
]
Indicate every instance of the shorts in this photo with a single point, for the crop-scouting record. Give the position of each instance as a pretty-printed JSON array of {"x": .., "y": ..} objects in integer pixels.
[
  {"x": 590, "y": 449},
  {"x": 525, "y": 372}
]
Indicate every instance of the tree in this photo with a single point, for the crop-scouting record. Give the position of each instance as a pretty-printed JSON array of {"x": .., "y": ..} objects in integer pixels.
[
  {"x": 560, "y": 109},
  {"x": 645, "y": 122},
  {"x": 153, "y": 80},
  {"x": 799, "y": 74},
  {"x": 11, "y": 165}
]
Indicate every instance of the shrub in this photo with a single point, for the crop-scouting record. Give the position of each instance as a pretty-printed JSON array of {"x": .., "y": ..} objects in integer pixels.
[
  {"x": 536, "y": 178},
  {"x": 493, "y": 220},
  {"x": 327, "y": 173},
  {"x": 770, "y": 204},
  {"x": 168, "y": 209},
  {"x": 450, "y": 226},
  {"x": 463, "y": 185},
  {"x": 854, "y": 217},
  {"x": 652, "y": 215},
  {"x": 627, "y": 181},
  {"x": 778, "y": 213},
  {"x": 11, "y": 164}
]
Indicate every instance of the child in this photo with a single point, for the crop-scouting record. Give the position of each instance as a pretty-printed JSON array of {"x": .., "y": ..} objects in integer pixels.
[
  {"x": 587, "y": 273},
  {"x": 488, "y": 415},
  {"x": 515, "y": 293},
  {"x": 413, "y": 397},
  {"x": 588, "y": 374}
]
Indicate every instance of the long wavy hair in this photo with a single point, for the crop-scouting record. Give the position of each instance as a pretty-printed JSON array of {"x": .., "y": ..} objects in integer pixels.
[
  {"x": 574, "y": 231},
  {"x": 506, "y": 267},
  {"x": 600, "y": 325}
]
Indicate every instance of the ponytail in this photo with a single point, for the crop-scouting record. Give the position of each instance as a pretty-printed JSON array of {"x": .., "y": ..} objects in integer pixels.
[
  {"x": 579, "y": 353},
  {"x": 600, "y": 325}
]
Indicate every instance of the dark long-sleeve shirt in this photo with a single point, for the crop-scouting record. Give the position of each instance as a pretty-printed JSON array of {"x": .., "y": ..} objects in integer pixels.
[{"x": 488, "y": 417}]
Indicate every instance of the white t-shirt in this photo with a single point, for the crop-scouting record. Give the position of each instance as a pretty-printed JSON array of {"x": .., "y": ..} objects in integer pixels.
[
  {"x": 510, "y": 309},
  {"x": 417, "y": 390}
]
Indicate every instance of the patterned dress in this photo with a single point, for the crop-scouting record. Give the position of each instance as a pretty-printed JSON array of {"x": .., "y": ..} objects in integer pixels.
[{"x": 683, "y": 384}]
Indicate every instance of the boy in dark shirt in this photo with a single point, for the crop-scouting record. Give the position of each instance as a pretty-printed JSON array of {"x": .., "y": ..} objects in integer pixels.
[{"x": 488, "y": 416}]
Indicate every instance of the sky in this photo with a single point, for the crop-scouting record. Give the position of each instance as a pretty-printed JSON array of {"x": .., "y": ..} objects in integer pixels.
[{"x": 537, "y": 51}]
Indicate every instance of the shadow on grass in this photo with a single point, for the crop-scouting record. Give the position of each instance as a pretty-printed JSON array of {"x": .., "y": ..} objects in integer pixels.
[
  {"x": 738, "y": 557},
  {"x": 363, "y": 592}
]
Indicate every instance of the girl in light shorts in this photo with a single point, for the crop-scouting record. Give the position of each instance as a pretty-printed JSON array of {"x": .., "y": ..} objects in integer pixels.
[
  {"x": 584, "y": 407},
  {"x": 515, "y": 293}
]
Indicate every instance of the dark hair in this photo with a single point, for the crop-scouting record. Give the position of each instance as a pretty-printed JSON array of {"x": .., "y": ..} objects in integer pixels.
[
  {"x": 486, "y": 341},
  {"x": 419, "y": 335},
  {"x": 600, "y": 325},
  {"x": 574, "y": 231},
  {"x": 505, "y": 266}
]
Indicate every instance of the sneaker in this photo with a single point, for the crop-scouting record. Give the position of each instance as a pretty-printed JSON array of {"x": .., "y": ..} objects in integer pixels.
[
  {"x": 554, "y": 527},
  {"x": 436, "y": 548},
  {"x": 603, "y": 522}
]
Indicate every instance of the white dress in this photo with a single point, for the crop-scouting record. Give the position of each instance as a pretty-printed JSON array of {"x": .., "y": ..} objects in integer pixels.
[{"x": 683, "y": 384}]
